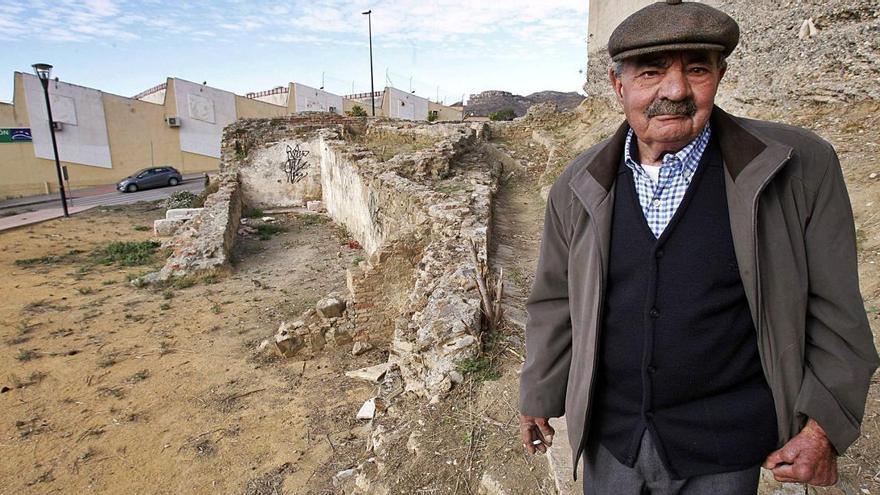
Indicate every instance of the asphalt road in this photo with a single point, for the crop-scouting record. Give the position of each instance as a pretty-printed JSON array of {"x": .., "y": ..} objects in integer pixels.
[{"x": 194, "y": 185}]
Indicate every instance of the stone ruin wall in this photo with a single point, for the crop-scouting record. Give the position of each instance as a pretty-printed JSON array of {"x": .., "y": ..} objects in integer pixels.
[{"x": 414, "y": 235}]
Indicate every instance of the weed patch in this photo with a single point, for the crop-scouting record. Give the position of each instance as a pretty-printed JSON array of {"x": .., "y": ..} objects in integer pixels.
[
  {"x": 129, "y": 253},
  {"x": 49, "y": 259},
  {"x": 266, "y": 231},
  {"x": 481, "y": 368}
]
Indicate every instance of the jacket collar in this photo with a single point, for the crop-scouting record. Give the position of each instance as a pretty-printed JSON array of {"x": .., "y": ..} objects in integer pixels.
[{"x": 746, "y": 155}]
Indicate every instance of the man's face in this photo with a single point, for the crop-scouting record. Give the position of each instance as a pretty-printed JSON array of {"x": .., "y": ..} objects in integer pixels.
[{"x": 668, "y": 97}]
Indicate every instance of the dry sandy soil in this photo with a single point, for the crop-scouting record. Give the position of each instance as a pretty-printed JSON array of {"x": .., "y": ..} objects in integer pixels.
[{"x": 112, "y": 389}]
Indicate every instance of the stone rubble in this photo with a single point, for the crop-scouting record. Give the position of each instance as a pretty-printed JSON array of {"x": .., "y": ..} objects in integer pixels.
[
  {"x": 372, "y": 374},
  {"x": 361, "y": 348},
  {"x": 174, "y": 219}
]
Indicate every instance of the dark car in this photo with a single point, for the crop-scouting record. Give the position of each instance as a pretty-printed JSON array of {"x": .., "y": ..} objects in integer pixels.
[{"x": 150, "y": 177}]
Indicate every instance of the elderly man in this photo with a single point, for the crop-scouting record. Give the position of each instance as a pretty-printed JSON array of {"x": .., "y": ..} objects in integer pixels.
[{"x": 696, "y": 310}]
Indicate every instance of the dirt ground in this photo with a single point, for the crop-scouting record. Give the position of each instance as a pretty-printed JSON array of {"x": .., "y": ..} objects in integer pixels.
[{"x": 112, "y": 389}]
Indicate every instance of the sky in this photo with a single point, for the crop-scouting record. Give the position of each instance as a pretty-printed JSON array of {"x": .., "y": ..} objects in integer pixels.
[{"x": 445, "y": 48}]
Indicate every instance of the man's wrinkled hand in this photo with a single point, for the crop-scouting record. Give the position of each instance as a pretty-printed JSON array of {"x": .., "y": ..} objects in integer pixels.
[
  {"x": 536, "y": 433},
  {"x": 809, "y": 458}
]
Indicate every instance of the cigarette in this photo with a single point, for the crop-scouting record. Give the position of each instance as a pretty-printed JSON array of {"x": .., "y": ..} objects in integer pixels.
[{"x": 536, "y": 442}]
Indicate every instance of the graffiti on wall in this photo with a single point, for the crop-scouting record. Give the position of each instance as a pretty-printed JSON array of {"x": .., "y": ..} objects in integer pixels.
[{"x": 296, "y": 164}]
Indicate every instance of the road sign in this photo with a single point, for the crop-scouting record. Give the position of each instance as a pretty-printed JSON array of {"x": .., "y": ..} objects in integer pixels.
[{"x": 15, "y": 135}]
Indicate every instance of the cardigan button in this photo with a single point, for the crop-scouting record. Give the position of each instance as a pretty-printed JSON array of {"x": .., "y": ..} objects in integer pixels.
[
  {"x": 655, "y": 313},
  {"x": 658, "y": 253},
  {"x": 652, "y": 369}
]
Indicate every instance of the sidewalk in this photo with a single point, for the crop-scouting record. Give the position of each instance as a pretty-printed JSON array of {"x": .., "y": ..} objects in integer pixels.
[
  {"x": 23, "y": 219},
  {"x": 76, "y": 193}
]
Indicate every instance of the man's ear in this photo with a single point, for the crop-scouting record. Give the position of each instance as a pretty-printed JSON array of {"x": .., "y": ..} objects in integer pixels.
[{"x": 616, "y": 84}]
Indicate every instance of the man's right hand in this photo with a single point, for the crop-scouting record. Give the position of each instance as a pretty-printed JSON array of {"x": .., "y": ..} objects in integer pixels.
[{"x": 531, "y": 429}]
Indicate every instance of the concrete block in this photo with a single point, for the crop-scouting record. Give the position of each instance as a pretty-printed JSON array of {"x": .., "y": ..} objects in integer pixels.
[{"x": 181, "y": 213}]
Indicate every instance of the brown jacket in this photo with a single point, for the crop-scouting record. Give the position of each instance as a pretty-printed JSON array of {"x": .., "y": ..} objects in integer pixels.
[{"x": 795, "y": 245}]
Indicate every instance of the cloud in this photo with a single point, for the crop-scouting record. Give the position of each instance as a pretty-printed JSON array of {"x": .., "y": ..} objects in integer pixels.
[{"x": 461, "y": 22}]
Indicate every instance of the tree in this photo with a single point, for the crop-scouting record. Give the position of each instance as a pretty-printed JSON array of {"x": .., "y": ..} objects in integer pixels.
[
  {"x": 504, "y": 114},
  {"x": 356, "y": 111}
]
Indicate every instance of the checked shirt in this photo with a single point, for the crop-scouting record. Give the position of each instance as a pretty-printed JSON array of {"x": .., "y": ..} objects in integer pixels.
[{"x": 660, "y": 199}]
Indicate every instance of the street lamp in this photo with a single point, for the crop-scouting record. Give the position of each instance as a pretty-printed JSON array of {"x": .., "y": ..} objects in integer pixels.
[
  {"x": 372, "y": 88},
  {"x": 43, "y": 71}
]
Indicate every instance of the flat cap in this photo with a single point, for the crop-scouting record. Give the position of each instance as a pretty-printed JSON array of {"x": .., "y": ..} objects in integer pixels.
[{"x": 674, "y": 25}]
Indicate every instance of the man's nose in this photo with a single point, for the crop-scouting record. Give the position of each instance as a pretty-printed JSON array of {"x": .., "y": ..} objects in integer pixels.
[{"x": 674, "y": 86}]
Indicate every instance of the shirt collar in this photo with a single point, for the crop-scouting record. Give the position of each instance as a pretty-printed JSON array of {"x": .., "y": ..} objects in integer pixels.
[{"x": 686, "y": 159}]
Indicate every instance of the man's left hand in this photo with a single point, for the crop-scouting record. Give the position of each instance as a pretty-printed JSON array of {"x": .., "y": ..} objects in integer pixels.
[{"x": 809, "y": 458}]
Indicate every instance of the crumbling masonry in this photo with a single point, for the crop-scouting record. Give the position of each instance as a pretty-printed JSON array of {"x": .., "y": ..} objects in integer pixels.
[{"x": 413, "y": 195}]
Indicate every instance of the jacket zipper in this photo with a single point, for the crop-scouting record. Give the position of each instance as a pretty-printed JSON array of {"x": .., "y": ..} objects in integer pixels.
[
  {"x": 590, "y": 386},
  {"x": 759, "y": 303}
]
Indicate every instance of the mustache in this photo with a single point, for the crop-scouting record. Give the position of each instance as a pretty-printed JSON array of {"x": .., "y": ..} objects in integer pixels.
[{"x": 668, "y": 107}]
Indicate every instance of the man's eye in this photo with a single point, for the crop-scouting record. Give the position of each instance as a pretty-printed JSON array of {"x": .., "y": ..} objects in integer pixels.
[
  {"x": 699, "y": 70},
  {"x": 650, "y": 73}
]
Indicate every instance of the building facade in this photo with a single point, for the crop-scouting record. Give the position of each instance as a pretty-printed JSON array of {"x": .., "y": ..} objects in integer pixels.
[{"x": 103, "y": 137}]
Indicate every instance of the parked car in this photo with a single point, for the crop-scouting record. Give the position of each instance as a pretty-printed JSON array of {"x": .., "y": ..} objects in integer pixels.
[{"x": 150, "y": 177}]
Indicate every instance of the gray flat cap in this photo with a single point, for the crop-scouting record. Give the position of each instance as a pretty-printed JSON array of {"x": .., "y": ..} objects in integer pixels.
[{"x": 674, "y": 25}]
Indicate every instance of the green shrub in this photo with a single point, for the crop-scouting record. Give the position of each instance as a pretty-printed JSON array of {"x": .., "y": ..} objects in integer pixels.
[
  {"x": 432, "y": 115},
  {"x": 504, "y": 114},
  {"x": 180, "y": 199},
  {"x": 356, "y": 111}
]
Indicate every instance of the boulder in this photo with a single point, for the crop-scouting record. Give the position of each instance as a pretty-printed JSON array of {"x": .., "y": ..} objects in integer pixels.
[
  {"x": 287, "y": 345},
  {"x": 330, "y": 307}
]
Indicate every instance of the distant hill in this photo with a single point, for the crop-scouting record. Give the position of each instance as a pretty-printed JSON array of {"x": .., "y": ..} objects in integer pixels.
[{"x": 482, "y": 104}]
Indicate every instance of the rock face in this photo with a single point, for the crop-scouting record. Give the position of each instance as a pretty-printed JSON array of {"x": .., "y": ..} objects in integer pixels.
[
  {"x": 789, "y": 52},
  {"x": 482, "y": 104}
]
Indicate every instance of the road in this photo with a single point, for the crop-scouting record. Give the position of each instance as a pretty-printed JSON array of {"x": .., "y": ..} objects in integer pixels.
[{"x": 194, "y": 185}]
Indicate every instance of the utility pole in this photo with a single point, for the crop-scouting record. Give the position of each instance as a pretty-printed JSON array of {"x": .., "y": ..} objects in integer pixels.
[
  {"x": 372, "y": 87},
  {"x": 43, "y": 72}
]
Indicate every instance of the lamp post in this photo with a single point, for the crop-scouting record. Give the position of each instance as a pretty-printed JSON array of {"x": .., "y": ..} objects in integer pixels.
[
  {"x": 372, "y": 88},
  {"x": 43, "y": 71}
]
